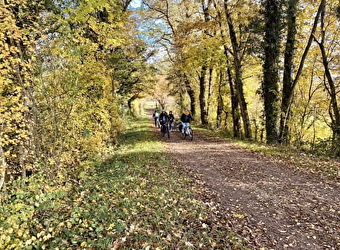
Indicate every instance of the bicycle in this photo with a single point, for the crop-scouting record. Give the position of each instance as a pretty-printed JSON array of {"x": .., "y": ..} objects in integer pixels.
[
  {"x": 165, "y": 129},
  {"x": 188, "y": 132}
]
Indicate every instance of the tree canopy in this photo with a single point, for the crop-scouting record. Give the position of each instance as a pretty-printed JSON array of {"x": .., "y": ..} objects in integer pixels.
[
  {"x": 266, "y": 68},
  {"x": 66, "y": 69}
]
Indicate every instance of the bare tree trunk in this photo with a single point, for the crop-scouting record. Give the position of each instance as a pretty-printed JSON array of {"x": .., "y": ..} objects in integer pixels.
[
  {"x": 288, "y": 84},
  {"x": 202, "y": 99},
  {"x": 191, "y": 94},
  {"x": 129, "y": 103},
  {"x": 235, "y": 113},
  {"x": 209, "y": 90},
  {"x": 220, "y": 105},
  {"x": 204, "y": 105},
  {"x": 288, "y": 69},
  {"x": 238, "y": 74},
  {"x": 233, "y": 97},
  {"x": 331, "y": 89}
]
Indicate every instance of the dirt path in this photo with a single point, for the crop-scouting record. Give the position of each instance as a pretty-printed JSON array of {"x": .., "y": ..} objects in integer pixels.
[{"x": 268, "y": 202}]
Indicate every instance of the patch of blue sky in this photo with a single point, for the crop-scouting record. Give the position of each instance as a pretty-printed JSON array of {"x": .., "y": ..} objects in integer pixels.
[{"x": 136, "y": 4}]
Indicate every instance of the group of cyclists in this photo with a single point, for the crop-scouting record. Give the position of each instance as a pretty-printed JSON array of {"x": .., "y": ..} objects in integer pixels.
[{"x": 164, "y": 118}]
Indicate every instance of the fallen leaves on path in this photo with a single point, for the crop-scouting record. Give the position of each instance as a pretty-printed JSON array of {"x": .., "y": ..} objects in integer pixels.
[{"x": 271, "y": 203}]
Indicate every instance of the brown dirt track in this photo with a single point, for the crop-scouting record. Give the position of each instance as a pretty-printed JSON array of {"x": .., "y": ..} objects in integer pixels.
[{"x": 269, "y": 202}]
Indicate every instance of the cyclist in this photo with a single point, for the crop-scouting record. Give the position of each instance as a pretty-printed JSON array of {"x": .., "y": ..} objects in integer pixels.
[
  {"x": 155, "y": 116},
  {"x": 186, "y": 118},
  {"x": 163, "y": 119}
]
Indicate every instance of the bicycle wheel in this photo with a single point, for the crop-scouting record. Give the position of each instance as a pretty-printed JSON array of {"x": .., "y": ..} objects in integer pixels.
[
  {"x": 190, "y": 134},
  {"x": 168, "y": 130},
  {"x": 162, "y": 130},
  {"x": 184, "y": 134}
]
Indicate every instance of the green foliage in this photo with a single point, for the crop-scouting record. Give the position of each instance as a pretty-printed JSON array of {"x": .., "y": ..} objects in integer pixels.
[
  {"x": 132, "y": 199},
  {"x": 59, "y": 102},
  {"x": 17, "y": 30}
]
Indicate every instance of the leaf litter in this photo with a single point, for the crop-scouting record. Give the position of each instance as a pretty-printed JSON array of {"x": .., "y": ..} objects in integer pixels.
[{"x": 269, "y": 202}]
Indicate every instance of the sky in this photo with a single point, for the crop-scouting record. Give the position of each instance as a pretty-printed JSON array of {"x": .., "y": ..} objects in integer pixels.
[
  {"x": 150, "y": 41},
  {"x": 135, "y": 3}
]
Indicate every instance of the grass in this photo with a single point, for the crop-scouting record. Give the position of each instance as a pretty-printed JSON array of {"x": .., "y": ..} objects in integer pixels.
[
  {"x": 150, "y": 202},
  {"x": 133, "y": 198}
]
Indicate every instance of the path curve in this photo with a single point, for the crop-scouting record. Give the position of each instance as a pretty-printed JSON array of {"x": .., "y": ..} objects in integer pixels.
[{"x": 268, "y": 202}]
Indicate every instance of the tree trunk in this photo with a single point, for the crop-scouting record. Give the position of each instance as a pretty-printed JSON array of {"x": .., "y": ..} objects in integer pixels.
[
  {"x": 204, "y": 105},
  {"x": 191, "y": 94},
  {"x": 220, "y": 105},
  {"x": 238, "y": 74},
  {"x": 209, "y": 90},
  {"x": 235, "y": 113},
  {"x": 288, "y": 69},
  {"x": 26, "y": 148},
  {"x": 272, "y": 15},
  {"x": 202, "y": 99},
  {"x": 233, "y": 98},
  {"x": 331, "y": 88},
  {"x": 288, "y": 84}
]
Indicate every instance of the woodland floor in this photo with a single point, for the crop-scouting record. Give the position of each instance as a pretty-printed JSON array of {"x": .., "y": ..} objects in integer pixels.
[{"x": 269, "y": 202}]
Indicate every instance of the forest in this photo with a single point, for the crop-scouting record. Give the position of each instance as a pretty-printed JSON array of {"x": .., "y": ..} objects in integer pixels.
[
  {"x": 260, "y": 70},
  {"x": 72, "y": 72}
]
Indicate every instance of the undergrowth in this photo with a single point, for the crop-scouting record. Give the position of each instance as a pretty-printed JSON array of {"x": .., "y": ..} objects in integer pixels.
[{"x": 130, "y": 198}]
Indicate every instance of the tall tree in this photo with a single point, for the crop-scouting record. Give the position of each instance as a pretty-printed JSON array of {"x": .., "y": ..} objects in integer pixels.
[
  {"x": 330, "y": 84},
  {"x": 289, "y": 83},
  {"x": 56, "y": 90},
  {"x": 237, "y": 53},
  {"x": 170, "y": 32},
  {"x": 288, "y": 68},
  {"x": 203, "y": 73},
  {"x": 19, "y": 27},
  {"x": 229, "y": 78},
  {"x": 272, "y": 18}
]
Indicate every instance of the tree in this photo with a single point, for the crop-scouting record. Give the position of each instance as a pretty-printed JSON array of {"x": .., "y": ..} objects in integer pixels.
[
  {"x": 228, "y": 78},
  {"x": 58, "y": 100},
  {"x": 289, "y": 83},
  {"x": 272, "y": 18},
  {"x": 330, "y": 85},
  {"x": 288, "y": 68},
  {"x": 19, "y": 27},
  {"x": 204, "y": 106},
  {"x": 171, "y": 32},
  {"x": 237, "y": 54}
]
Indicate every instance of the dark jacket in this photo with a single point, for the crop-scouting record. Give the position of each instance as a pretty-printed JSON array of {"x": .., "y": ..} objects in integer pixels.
[
  {"x": 163, "y": 118},
  {"x": 171, "y": 117},
  {"x": 186, "y": 118}
]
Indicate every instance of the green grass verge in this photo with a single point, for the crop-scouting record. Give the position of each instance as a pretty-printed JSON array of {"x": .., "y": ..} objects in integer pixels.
[{"x": 132, "y": 199}]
